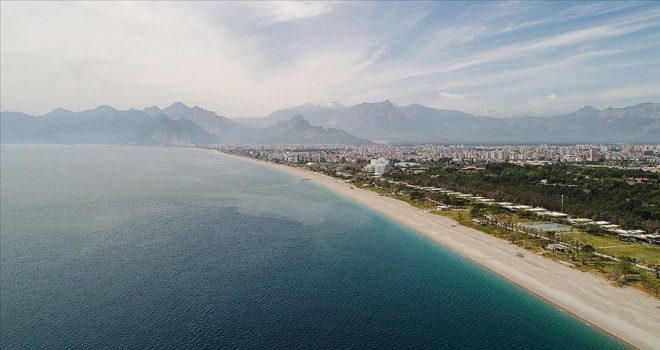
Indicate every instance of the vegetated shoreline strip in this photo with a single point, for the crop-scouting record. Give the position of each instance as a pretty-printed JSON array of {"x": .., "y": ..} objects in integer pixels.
[{"x": 625, "y": 313}]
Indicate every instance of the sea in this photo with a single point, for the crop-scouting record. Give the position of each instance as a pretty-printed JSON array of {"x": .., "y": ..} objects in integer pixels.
[{"x": 131, "y": 247}]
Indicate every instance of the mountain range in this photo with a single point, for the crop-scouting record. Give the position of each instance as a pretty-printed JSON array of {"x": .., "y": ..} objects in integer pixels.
[
  {"x": 385, "y": 121},
  {"x": 177, "y": 124},
  {"x": 331, "y": 123},
  {"x": 103, "y": 124}
]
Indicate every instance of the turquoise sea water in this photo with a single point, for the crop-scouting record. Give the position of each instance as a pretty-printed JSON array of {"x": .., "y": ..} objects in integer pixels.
[{"x": 138, "y": 247}]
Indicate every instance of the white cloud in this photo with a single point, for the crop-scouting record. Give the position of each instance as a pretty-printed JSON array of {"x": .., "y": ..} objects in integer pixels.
[
  {"x": 282, "y": 11},
  {"x": 250, "y": 58},
  {"x": 81, "y": 55},
  {"x": 450, "y": 96}
]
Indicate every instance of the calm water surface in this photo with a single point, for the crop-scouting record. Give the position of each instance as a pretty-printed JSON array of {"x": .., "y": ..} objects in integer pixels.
[{"x": 138, "y": 247}]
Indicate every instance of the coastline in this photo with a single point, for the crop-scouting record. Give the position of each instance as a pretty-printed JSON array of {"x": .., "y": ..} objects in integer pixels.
[{"x": 624, "y": 313}]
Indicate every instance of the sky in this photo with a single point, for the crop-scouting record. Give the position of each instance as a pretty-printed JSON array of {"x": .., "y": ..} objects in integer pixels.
[{"x": 252, "y": 58}]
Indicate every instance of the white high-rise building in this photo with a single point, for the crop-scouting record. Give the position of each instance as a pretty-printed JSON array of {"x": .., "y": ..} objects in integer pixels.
[{"x": 378, "y": 166}]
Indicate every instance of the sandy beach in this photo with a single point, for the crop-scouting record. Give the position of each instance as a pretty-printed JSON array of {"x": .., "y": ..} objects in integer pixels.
[{"x": 625, "y": 313}]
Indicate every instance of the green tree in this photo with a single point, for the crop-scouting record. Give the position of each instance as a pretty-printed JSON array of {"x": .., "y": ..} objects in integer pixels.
[
  {"x": 623, "y": 268},
  {"x": 496, "y": 209},
  {"x": 588, "y": 251},
  {"x": 552, "y": 235},
  {"x": 416, "y": 195},
  {"x": 477, "y": 210}
]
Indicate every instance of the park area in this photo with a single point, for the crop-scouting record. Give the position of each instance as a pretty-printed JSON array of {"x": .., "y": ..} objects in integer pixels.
[{"x": 643, "y": 253}]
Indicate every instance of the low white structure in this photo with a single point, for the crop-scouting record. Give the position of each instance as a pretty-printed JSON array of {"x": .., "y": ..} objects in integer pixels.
[
  {"x": 537, "y": 210},
  {"x": 556, "y": 214},
  {"x": 406, "y": 164},
  {"x": 580, "y": 221}
]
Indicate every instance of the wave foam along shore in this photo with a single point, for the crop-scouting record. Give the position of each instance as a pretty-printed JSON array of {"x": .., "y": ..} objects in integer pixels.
[{"x": 624, "y": 313}]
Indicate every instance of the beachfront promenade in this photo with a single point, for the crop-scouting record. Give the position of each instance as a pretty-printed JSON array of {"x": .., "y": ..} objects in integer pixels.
[{"x": 625, "y": 313}]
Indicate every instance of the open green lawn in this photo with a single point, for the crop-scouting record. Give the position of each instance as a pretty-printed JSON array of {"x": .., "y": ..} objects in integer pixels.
[
  {"x": 612, "y": 246},
  {"x": 643, "y": 254}
]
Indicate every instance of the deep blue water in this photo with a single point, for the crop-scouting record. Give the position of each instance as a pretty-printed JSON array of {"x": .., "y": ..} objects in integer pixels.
[{"x": 138, "y": 247}]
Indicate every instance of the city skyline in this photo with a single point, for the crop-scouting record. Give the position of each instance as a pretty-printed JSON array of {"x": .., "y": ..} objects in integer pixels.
[{"x": 249, "y": 59}]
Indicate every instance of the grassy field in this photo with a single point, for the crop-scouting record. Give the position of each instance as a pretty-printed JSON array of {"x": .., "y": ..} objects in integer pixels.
[{"x": 612, "y": 246}]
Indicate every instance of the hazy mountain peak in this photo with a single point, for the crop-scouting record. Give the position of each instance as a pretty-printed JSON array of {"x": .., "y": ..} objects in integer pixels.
[
  {"x": 588, "y": 109},
  {"x": 644, "y": 110},
  {"x": 105, "y": 108},
  {"x": 177, "y": 106},
  {"x": 585, "y": 112},
  {"x": 298, "y": 130},
  {"x": 315, "y": 107},
  {"x": 328, "y": 104},
  {"x": 178, "y": 110},
  {"x": 153, "y": 111},
  {"x": 387, "y": 104},
  {"x": 297, "y": 121},
  {"x": 316, "y": 113},
  {"x": 416, "y": 105},
  {"x": 59, "y": 113},
  {"x": 60, "y": 110},
  {"x": 643, "y": 105}
]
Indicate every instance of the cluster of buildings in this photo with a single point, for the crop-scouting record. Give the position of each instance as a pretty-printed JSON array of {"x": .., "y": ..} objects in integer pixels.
[{"x": 647, "y": 156}]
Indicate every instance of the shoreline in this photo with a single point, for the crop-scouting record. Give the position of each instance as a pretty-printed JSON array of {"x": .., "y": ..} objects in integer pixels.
[{"x": 625, "y": 314}]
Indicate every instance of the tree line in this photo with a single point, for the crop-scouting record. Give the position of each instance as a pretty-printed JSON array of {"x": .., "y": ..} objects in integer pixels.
[{"x": 599, "y": 193}]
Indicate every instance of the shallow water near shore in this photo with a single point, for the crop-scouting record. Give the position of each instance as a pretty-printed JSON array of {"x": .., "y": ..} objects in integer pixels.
[{"x": 141, "y": 247}]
